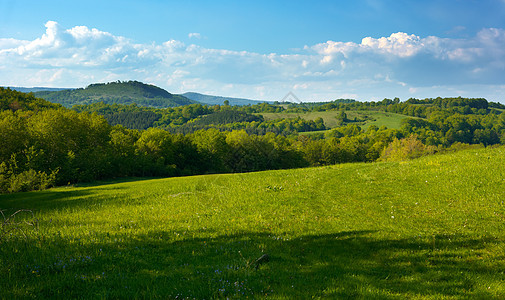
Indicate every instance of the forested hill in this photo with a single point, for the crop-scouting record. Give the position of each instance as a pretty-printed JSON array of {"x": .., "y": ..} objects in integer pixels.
[
  {"x": 121, "y": 92},
  {"x": 13, "y": 100},
  {"x": 213, "y": 100}
]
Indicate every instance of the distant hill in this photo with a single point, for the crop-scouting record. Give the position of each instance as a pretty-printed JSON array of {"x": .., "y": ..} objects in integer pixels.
[
  {"x": 34, "y": 89},
  {"x": 213, "y": 100},
  {"x": 121, "y": 92}
]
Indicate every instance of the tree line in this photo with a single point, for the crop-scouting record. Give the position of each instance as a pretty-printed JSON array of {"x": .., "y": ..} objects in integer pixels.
[{"x": 43, "y": 144}]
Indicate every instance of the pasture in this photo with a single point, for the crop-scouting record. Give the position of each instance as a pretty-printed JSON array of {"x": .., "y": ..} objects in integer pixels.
[
  {"x": 377, "y": 118},
  {"x": 429, "y": 228}
]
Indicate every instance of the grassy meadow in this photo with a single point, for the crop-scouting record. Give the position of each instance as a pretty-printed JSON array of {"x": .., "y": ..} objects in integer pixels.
[
  {"x": 377, "y": 118},
  {"x": 428, "y": 228}
]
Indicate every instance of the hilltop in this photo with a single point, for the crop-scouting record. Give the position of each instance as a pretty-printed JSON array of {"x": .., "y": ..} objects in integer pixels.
[{"x": 120, "y": 92}]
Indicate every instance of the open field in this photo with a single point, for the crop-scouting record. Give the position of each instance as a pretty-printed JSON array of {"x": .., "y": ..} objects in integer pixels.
[
  {"x": 377, "y": 118},
  {"x": 428, "y": 228}
]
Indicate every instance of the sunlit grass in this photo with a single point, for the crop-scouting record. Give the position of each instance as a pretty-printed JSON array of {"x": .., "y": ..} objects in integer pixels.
[
  {"x": 428, "y": 228},
  {"x": 377, "y": 118}
]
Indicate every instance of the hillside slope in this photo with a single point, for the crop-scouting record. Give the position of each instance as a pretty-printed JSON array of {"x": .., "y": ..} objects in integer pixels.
[
  {"x": 14, "y": 100},
  {"x": 127, "y": 92},
  {"x": 429, "y": 228}
]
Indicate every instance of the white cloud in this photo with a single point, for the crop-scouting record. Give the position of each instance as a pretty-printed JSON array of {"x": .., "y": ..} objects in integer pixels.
[
  {"x": 490, "y": 41},
  {"x": 11, "y": 43},
  {"x": 399, "y": 44},
  {"x": 75, "y": 47},
  {"x": 194, "y": 35},
  {"x": 406, "y": 63}
]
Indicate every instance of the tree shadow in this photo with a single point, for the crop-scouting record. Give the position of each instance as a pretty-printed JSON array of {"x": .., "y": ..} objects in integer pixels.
[
  {"x": 113, "y": 181},
  {"x": 165, "y": 264},
  {"x": 53, "y": 199},
  {"x": 61, "y": 198}
]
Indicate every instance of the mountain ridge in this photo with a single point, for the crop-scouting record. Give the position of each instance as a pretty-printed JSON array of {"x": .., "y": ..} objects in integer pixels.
[
  {"x": 35, "y": 89},
  {"x": 214, "y": 100},
  {"x": 128, "y": 92}
]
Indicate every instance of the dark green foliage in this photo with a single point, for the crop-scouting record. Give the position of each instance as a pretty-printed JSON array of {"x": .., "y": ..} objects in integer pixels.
[
  {"x": 256, "y": 153},
  {"x": 215, "y": 120},
  {"x": 226, "y": 117},
  {"x": 127, "y": 92},
  {"x": 319, "y": 106},
  {"x": 131, "y": 88},
  {"x": 133, "y": 120},
  {"x": 164, "y": 118},
  {"x": 496, "y": 105},
  {"x": 423, "y": 108},
  {"x": 262, "y": 108}
]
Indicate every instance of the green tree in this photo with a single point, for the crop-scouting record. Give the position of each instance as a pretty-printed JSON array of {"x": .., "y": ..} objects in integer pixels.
[
  {"x": 124, "y": 159},
  {"x": 213, "y": 149},
  {"x": 77, "y": 144},
  {"x": 156, "y": 153}
]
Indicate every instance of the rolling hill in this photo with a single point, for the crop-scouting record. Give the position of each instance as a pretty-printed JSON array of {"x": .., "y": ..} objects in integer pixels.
[{"x": 126, "y": 92}]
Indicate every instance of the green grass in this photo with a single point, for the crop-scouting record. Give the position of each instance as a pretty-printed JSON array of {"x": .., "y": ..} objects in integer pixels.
[
  {"x": 428, "y": 228},
  {"x": 378, "y": 118}
]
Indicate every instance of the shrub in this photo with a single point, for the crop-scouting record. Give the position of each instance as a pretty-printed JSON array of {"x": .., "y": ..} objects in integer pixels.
[
  {"x": 406, "y": 148},
  {"x": 26, "y": 181}
]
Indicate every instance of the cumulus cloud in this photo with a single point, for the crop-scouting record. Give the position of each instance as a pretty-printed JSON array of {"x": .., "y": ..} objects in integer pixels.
[
  {"x": 399, "y": 63},
  {"x": 76, "y": 47},
  {"x": 399, "y": 44},
  {"x": 403, "y": 45}
]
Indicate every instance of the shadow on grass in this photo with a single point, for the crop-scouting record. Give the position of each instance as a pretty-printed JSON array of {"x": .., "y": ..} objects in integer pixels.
[
  {"x": 114, "y": 181},
  {"x": 53, "y": 198},
  {"x": 174, "y": 265},
  {"x": 59, "y": 199}
]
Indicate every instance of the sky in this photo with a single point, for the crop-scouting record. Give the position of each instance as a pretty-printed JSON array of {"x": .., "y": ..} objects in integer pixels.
[{"x": 366, "y": 50}]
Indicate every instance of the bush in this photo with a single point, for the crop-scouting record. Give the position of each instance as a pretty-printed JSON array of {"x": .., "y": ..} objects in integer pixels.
[
  {"x": 404, "y": 149},
  {"x": 26, "y": 181}
]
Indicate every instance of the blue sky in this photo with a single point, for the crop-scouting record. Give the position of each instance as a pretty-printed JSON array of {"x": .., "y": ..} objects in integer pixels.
[{"x": 319, "y": 50}]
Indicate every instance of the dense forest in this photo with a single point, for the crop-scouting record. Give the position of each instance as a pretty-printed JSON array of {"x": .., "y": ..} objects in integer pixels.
[{"x": 44, "y": 144}]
